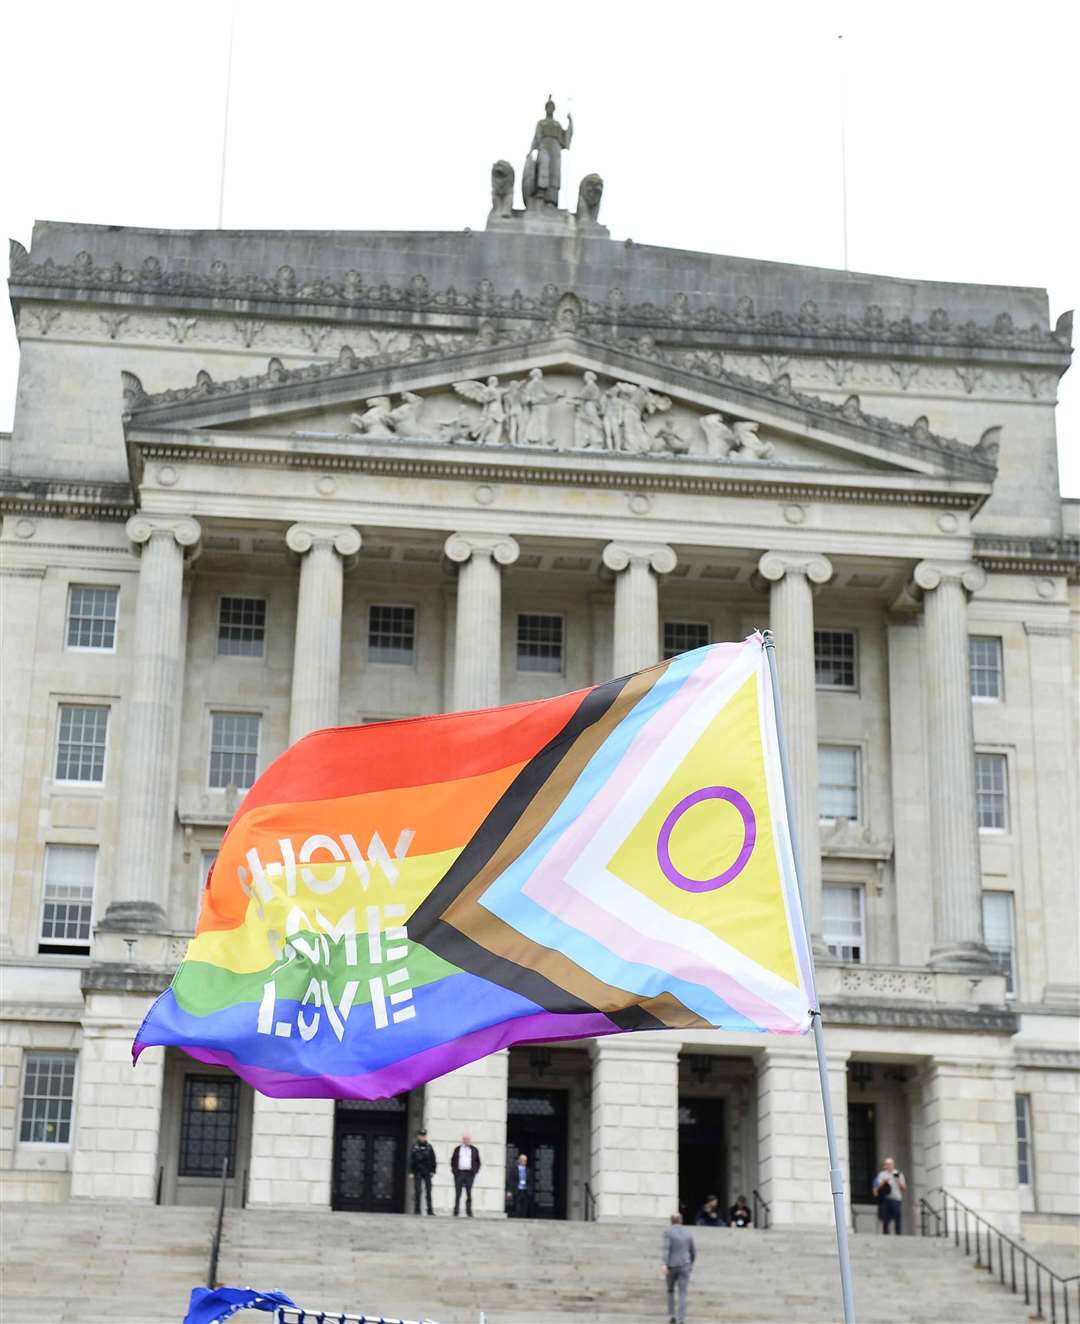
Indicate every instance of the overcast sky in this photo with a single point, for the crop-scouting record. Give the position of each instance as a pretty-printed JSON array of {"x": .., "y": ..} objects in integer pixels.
[{"x": 715, "y": 125}]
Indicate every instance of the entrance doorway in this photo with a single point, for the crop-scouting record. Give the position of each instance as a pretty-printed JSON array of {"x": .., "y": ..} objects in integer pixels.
[
  {"x": 862, "y": 1151},
  {"x": 205, "y": 1125},
  {"x": 536, "y": 1126},
  {"x": 370, "y": 1138},
  {"x": 702, "y": 1154}
]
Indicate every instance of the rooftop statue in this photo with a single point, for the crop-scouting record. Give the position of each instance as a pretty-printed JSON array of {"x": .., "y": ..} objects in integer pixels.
[{"x": 542, "y": 175}]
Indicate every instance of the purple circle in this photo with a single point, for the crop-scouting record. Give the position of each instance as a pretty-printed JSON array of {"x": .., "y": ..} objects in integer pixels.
[{"x": 663, "y": 842}]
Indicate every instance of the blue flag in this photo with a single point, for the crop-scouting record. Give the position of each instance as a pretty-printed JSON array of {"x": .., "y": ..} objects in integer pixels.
[{"x": 208, "y": 1305}]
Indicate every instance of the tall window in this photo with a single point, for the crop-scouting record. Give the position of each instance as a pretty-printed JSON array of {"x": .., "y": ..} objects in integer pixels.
[
  {"x": 80, "y": 743},
  {"x": 838, "y": 781},
  {"x": 835, "y": 659},
  {"x": 682, "y": 636},
  {"x": 48, "y": 1097},
  {"x": 208, "y": 1125},
  {"x": 91, "y": 617},
  {"x": 984, "y": 665},
  {"x": 68, "y": 899},
  {"x": 1024, "y": 1165},
  {"x": 539, "y": 643},
  {"x": 206, "y": 863},
  {"x": 391, "y": 634},
  {"x": 999, "y": 934},
  {"x": 241, "y": 627},
  {"x": 234, "y": 749},
  {"x": 992, "y": 792},
  {"x": 843, "y": 921}
]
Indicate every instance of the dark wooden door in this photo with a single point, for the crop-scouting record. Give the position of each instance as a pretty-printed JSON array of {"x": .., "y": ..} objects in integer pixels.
[
  {"x": 369, "y": 1156},
  {"x": 536, "y": 1126}
]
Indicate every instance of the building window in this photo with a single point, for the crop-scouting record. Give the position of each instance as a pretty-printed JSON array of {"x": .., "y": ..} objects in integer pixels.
[
  {"x": 992, "y": 792},
  {"x": 208, "y": 1125},
  {"x": 834, "y": 659},
  {"x": 91, "y": 618},
  {"x": 241, "y": 627},
  {"x": 838, "y": 781},
  {"x": 80, "y": 743},
  {"x": 984, "y": 665},
  {"x": 999, "y": 934},
  {"x": 391, "y": 635},
  {"x": 843, "y": 921},
  {"x": 682, "y": 636},
  {"x": 539, "y": 643},
  {"x": 1023, "y": 1140},
  {"x": 206, "y": 863},
  {"x": 47, "y": 1099},
  {"x": 234, "y": 749},
  {"x": 68, "y": 899}
]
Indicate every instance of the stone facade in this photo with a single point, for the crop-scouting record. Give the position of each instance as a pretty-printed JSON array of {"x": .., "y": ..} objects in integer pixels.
[{"x": 651, "y": 448}]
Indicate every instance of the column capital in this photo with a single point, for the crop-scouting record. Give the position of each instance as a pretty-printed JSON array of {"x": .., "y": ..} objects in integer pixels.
[
  {"x": 658, "y": 556},
  {"x": 931, "y": 574},
  {"x": 817, "y": 568},
  {"x": 142, "y": 527},
  {"x": 344, "y": 539},
  {"x": 501, "y": 547}
]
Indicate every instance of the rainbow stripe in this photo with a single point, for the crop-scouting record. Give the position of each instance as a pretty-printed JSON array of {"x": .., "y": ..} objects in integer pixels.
[{"x": 393, "y": 901}]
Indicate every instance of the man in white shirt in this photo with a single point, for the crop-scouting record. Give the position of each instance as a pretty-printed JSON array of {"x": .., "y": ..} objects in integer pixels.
[
  {"x": 889, "y": 1188},
  {"x": 464, "y": 1164}
]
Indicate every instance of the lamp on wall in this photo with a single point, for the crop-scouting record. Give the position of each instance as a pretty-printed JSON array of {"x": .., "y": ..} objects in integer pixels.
[
  {"x": 539, "y": 1060},
  {"x": 700, "y": 1067}
]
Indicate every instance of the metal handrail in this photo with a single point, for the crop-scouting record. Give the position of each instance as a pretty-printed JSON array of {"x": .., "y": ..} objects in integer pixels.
[
  {"x": 590, "y": 1204},
  {"x": 763, "y": 1219},
  {"x": 973, "y": 1227},
  {"x": 215, "y": 1242}
]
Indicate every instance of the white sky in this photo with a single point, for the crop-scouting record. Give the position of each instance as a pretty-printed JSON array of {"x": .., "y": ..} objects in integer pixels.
[{"x": 716, "y": 126}]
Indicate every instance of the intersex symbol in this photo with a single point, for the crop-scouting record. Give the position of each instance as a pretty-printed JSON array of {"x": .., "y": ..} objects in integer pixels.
[{"x": 663, "y": 842}]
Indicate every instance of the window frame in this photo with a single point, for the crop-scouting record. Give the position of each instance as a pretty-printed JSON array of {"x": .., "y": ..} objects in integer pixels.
[
  {"x": 1001, "y": 757},
  {"x": 243, "y": 597},
  {"x": 68, "y": 947},
  {"x": 258, "y": 714},
  {"x": 999, "y": 697},
  {"x": 1012, "y": 981},
  {"x": 61, "y": 704},
  {"x": 90, "y": 648},
  {"x": 860, "y": 890},
  {"x": 46, "y": 1146},
  {"x": 857, "y": 750},
  {"x": 540, "y": 671},
  {"x": 1023, "y": 1112},
  {"x": 383, "y": 662},
  {"x": 704, "y": 625},
  {"x": 856, "y": 660},
  {"x": 204, "y": 873}
]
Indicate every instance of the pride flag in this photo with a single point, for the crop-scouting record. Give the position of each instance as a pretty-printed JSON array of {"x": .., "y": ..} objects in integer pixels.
[{"x": 395, "y": 900}]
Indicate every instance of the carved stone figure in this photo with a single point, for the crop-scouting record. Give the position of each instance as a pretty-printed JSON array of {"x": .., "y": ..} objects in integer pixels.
[
  {"x": 672, "y": 439},
  {"x": 720, "y": 440},
  {"x": 536, "y": 399},
  {"x": 638, "y": 403},
  {"x": 588, "y": 415},
  {"x": 542, "y": 175},
  {"x": 738, "y": 440},
  {"x": 405, "y": 419},
  {"x": 612, "y": 415},
  {"x": 751, "y": 446},
  {"x": 459, "y": 428},
  {"x": 502, "y": 189},
  {"x": 488, "y": 395},
  {"x": 590, "y": 191},
  {"x": 514, "y": 411},
  {"x": 377, "y": 418}
]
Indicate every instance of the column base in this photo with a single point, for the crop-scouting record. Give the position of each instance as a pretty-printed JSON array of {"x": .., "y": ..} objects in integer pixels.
[
  {"x": 966, "y": 957},
  {"x": 134, "y": 917}
]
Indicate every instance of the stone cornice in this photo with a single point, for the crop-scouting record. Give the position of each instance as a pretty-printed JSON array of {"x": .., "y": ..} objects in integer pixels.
[
  {"x": 423, "y": 460},
  {"x": 740, "y": 322},
  {"x": 51, "y": 498},
  {"x": 1029, "y": 556},
  {"x": 898, "y": 1016},
  {"x": 1049, "y": 1059}
]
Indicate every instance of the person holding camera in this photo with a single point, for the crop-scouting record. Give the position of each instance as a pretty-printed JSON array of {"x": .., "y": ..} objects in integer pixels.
[{"x": 889, "y": 1188}]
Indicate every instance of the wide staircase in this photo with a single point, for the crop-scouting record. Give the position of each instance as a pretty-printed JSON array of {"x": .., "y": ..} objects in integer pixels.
[{"x": 98, "y": 1263}]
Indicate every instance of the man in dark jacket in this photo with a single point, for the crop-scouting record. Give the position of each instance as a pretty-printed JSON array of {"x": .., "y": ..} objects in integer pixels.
[
  {"x": 519, "y": 1188},
  {"x": 422, "y": 1164},
  {"x": 464, "y": 1165}
]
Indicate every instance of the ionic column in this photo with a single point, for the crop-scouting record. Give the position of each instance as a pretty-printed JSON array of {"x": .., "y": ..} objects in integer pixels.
[
  {"x": 956, "y": 880},
  {"x": 792, "y": 576},
  {"x": 142, "y": 855},
  {"x": 478, "y": 627},
  {"x": 637, "y": 601},
  {"x": 316, "y": 678}
]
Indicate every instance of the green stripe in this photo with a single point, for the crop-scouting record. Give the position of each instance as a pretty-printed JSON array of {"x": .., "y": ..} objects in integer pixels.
[{"x": 202, "y": 988}]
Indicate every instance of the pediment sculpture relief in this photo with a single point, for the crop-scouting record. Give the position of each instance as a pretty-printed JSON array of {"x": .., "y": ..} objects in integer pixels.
[{"x": 535, "y": 412}]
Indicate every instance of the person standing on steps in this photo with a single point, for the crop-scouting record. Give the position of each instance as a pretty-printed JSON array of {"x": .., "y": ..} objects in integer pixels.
[
  {"x": 679, "y": 1256},
  {"x": 422, "y": 1165},
  {"x": 889, "y": 1188},
  {"x": 520, "y": 1188},
  {"x": 464, "y": 1165}
]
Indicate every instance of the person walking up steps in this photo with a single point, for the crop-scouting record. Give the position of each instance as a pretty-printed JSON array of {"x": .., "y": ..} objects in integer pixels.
[{"x": 679, "y": 1256}]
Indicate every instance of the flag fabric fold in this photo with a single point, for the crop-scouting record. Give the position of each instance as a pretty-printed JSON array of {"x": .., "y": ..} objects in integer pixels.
[{"x": 394, "y": 900}]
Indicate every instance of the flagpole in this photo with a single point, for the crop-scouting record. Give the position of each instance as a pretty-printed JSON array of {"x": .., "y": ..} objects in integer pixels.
[{"x": 836, "y": 1176}]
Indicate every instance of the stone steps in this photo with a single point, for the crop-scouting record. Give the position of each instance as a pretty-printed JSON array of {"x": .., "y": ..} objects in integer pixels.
[{"x": 131, "y": 1263}]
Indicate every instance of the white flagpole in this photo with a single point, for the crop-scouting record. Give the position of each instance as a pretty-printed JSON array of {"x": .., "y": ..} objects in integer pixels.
[{"x": 836, "y": 1176}]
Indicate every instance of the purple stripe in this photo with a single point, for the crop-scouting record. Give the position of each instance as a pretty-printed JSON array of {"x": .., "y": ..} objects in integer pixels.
[{"x": 543, "y": 1027}]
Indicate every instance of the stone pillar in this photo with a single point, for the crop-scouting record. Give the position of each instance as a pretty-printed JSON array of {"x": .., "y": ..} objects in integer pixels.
[
  {"x": 637, "y": 601},
  {"x": 292, "y": 1142},
  {"x": 139, "y": 899},
  {"x": 470, "y": 1100},
  {"x": 316, "y": 678},
  {"x": 793, "y": 1154},
  {"x": 956, "y": 878},
  {"x": 635, "y": 1126},
  {"x": 792, "y": 576},
  {"x": 478, "y": 628}
]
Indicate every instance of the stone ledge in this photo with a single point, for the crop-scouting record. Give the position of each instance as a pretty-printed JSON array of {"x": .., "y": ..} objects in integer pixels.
[
  {"x": 113, "y": 978},
  {"x": 900, "y": 1016}
]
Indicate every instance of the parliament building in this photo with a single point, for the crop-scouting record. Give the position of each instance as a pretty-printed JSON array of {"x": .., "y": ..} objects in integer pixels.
[{"x": 261, "y": 482}]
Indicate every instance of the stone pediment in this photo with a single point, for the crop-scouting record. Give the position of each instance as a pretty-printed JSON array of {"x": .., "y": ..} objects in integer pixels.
[{"x": 563, "y": 392}]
